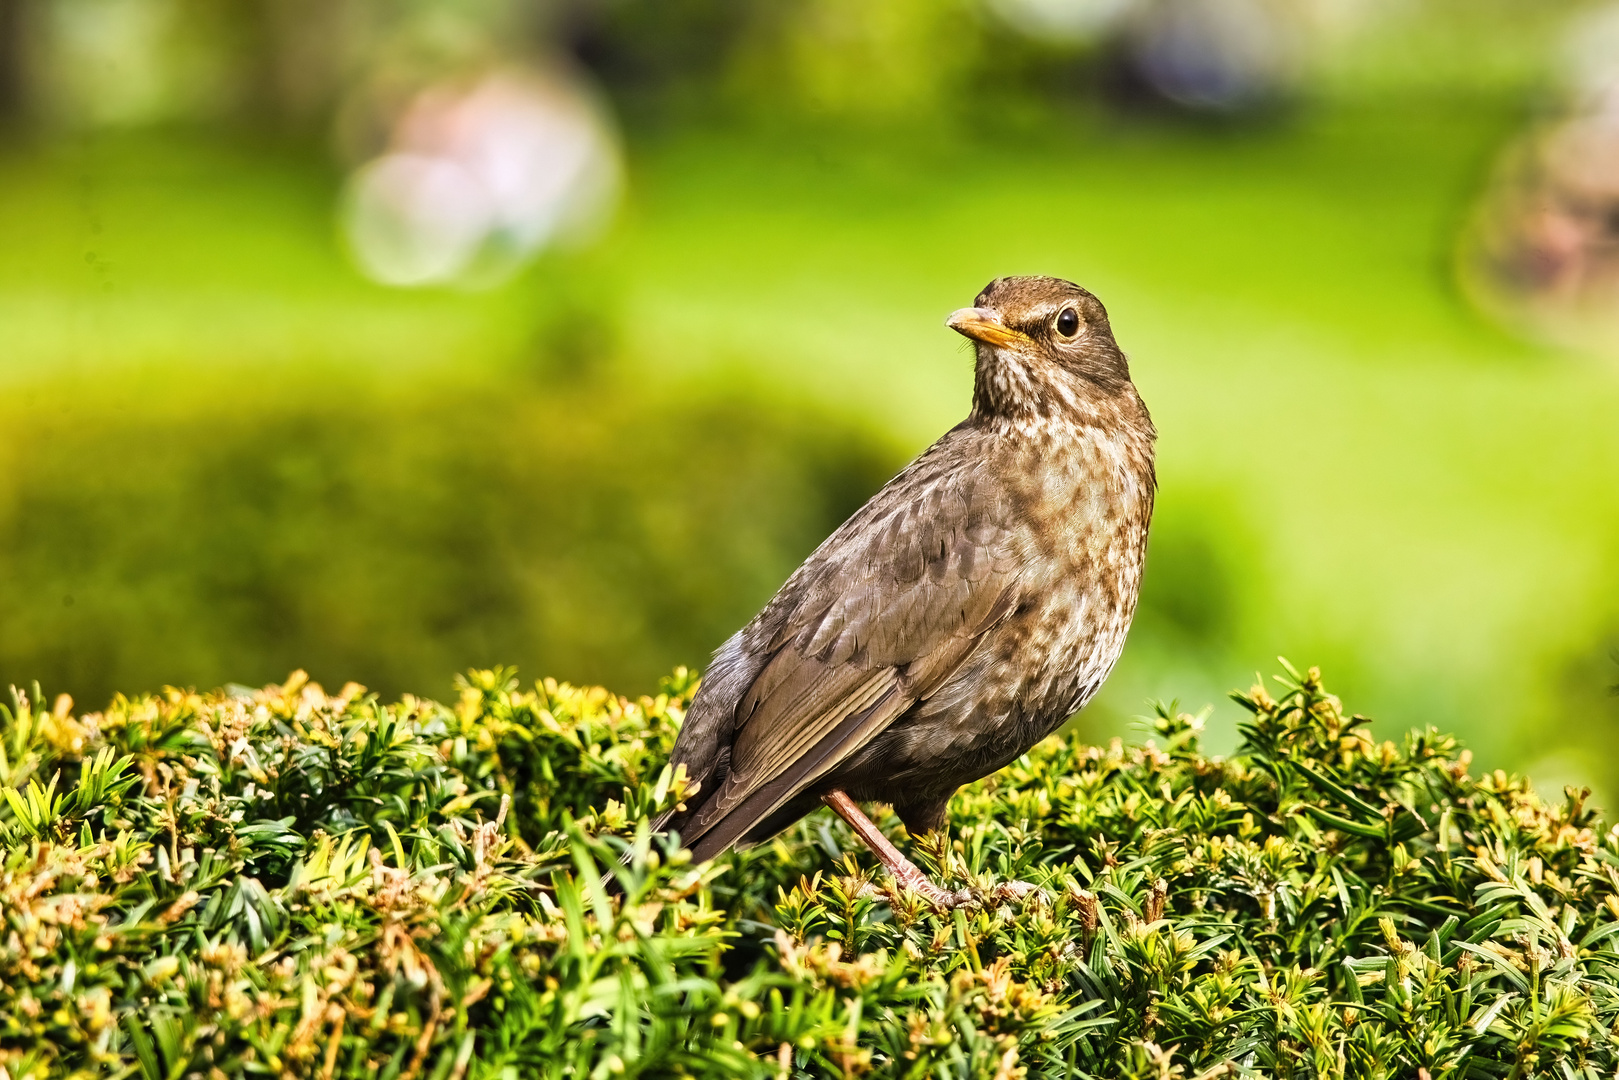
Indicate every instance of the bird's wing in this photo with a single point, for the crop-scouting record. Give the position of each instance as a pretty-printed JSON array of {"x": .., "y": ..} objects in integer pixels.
[{"x": 874, "y": 622}]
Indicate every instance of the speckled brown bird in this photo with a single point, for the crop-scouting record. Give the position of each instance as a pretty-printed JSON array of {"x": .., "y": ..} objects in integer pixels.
[{"x": 977, "y": 601}]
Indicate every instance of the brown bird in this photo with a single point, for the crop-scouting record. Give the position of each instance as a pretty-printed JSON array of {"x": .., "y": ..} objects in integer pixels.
[{"x": 975, "y": 603}]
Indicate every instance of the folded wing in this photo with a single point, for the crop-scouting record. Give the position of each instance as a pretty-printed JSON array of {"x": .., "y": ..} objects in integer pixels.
[{"x": 874, "y": 622}]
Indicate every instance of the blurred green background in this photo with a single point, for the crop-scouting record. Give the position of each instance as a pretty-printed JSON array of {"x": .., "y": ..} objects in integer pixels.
[{"x": 229, "y": 446}]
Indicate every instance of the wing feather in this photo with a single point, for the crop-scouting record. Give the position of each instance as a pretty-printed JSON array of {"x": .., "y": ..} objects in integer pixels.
[{"x": 875, "y": 621}]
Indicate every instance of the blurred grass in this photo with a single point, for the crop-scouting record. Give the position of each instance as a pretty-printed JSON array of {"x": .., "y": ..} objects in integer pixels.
[
  {"x": 159, "y": 250},
  {"x": 1354, "y": 467}
]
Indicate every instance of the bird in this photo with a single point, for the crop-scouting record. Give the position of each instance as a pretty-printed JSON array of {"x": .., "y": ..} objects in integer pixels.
[{"x": 978, "y": 600}]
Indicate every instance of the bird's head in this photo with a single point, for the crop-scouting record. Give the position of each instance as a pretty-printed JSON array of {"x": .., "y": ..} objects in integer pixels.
[{"x": 1043, "y": 345}]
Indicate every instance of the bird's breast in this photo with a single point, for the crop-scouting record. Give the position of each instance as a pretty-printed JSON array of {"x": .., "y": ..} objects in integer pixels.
[{"x": 1083, "y": 512}]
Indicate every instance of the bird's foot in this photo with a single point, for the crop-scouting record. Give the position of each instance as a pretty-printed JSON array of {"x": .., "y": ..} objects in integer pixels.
[
  {"x": 906, "y": 875},
  {"x": 908, "y": 884},
  {"x": 1015, "y": 892},
  {"x": 942, "y": 899}
]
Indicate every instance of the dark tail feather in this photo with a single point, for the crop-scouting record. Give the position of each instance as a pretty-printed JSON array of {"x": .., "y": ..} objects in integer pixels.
[{"x": 838, "y": 744}]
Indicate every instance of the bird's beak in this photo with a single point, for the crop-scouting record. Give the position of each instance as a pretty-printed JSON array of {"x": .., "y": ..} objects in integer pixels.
[{"x": 984, "y": 324}]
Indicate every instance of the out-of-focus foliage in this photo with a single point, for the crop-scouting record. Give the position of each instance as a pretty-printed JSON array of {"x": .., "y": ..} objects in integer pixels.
[
  {"x": 602, "y": 529},
  {"x": 1543, "y": 252},
  {"x": 292, "y": 882},
  {"x": 303, "y": 65}
]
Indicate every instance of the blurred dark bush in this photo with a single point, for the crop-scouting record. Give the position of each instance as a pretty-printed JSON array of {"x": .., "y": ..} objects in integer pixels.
[
  {"x": 395, "y": 535},
  {"x": 300, "y": 66}
]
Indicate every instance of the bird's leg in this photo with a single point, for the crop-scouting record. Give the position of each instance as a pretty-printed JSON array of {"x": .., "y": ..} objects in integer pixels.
[{"x": 904, "y": 870}]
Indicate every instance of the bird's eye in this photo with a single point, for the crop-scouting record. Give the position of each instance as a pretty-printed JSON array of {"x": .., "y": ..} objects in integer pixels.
[{"x": 1068, "y": 322}]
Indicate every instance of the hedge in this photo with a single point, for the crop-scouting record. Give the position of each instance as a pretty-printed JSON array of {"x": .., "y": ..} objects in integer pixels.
[{"x": 290, "y": 882}]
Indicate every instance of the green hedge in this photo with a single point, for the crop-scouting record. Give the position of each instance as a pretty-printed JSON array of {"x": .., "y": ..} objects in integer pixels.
[{"x": 287, "y": 882}]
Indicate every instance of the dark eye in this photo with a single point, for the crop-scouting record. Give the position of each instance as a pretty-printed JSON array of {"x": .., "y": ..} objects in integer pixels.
[{"x": 1068, "y": 322}]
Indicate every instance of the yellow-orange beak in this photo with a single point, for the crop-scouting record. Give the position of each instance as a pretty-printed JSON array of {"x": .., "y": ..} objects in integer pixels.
[{"x": 984, "y": 324}]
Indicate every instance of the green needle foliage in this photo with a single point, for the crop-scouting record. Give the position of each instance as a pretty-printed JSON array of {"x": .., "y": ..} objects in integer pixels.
[{"x": 286, "y": 882}]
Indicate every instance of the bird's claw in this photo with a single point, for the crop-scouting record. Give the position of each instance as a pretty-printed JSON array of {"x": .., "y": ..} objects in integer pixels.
[
  {"x": 946, "y": 900},
  {"x": 1016, "y": 892},
  {"x": 941, "y": 900},
  {"x": 1001, "y": 895}
]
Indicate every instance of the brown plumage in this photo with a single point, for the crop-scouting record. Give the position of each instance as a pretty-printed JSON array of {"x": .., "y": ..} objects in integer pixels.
[{"x": 978, "y": 600}]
